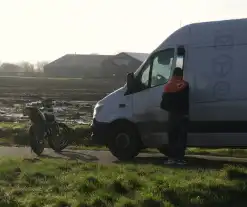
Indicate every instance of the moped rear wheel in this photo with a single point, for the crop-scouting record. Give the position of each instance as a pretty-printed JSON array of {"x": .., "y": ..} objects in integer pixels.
[{"x": 58, "y": 141}]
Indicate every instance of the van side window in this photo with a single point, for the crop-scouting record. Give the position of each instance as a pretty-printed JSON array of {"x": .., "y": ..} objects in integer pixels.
[{"x": 161, "y": 67}]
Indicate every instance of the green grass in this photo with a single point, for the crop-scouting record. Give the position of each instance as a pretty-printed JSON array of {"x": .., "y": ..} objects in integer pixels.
[
  {"x": 12, "y": 125},
  {"x": 17, "y": 134},
  {"x": 242, "y": 153},
  {"x": 53, "y": 182},
  {"x": 20, "y": 125},
  {"x": 19, "y": 130}
]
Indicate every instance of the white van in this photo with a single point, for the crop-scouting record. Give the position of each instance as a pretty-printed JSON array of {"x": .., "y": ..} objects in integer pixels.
[{"x": 213, "y": 56}]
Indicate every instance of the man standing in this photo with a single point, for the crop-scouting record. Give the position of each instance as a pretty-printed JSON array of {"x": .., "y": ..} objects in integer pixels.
[{"x": 175, "y": 100}]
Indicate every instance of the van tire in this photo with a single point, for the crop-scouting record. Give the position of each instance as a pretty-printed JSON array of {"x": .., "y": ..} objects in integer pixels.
[
  {"x": 124, "y": 142},
  {"x": 164, "y": 150}
]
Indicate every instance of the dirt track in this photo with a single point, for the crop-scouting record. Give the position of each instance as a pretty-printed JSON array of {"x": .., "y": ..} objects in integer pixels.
[{"x": 105, "y": 157}]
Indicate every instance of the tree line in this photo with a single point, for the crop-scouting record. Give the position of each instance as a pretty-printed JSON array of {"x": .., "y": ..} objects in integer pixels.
[{"x": 23, "y": 66}]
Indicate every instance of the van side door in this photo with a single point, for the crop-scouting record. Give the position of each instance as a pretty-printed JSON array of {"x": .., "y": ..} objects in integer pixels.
[
  {"x": 146, "y": 103},
  {"x": 161, "y": 71},
  {"x": 140, "y": 96},
  {"x": 162, "y": 68}
]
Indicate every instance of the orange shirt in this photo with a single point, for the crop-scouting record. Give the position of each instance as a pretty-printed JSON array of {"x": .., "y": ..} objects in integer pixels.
[{"x": 175, "y": 84}]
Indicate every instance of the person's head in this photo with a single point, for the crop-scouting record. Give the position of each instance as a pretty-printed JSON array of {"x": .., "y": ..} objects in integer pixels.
[{"x": 178, "y": 72}]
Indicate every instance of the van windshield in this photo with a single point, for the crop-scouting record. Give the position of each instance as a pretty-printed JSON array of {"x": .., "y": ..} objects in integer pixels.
[{"x": 139, "y": 69}]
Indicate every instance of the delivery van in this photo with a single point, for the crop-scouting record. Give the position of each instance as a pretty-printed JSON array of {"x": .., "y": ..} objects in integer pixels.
[{"x": 213, "y": 56}]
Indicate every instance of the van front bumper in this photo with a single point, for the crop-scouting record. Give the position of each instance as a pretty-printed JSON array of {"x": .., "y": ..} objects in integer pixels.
[{"x": 100, "y": 132}]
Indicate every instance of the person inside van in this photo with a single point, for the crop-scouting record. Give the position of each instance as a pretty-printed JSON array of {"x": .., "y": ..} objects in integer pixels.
[{"x": 175, "y": 100}]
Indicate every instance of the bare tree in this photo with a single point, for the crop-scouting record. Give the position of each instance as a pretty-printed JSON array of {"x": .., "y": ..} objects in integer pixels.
[
  {"x": 40, "y": 65},
  {"x": 27, "y": 66}
]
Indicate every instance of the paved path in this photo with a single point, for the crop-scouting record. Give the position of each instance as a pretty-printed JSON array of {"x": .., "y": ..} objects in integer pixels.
[{"x": 105, "y": 157}]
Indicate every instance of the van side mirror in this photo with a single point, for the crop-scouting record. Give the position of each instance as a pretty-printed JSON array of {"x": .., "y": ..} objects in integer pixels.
[{"x": 130, "y": 81}]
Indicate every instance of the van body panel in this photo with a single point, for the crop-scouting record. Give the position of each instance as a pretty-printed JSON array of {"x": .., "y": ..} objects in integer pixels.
[
  {"x": 219, "y": 33},
  {"x": 216, "y": 69},
  {"x": 115, "y": 106},
  {"x": 146, "y": 109},
  {"x": 217, "y": 80},
  {"x": 216, "y": 33},
  {"x": 219, "y": 110},
  {"x": 179, "y": 37}
]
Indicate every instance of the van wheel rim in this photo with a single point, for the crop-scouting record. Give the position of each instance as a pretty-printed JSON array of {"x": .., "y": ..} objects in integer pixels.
[{"x": 122, "y": 140}]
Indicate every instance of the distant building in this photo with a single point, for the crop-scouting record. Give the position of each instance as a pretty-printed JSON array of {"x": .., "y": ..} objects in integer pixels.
[
  {"x": 94, "y": 65},
  {"x": 73, "y": 65},
  {"x": 121, "y": 64},
  {"x": 11, "y": 68}
]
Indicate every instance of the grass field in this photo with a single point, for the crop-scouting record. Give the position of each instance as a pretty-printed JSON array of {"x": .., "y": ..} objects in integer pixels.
[
  {"x": 16, "y": 134},
  {"x": 57, "y": 182}
]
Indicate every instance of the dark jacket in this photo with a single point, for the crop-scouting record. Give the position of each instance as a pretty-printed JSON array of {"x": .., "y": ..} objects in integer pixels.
[{"x": 175, "y": 97}]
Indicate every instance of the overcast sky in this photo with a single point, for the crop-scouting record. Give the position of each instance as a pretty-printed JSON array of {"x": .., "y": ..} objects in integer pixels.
[{"x": 34, "y": 30}]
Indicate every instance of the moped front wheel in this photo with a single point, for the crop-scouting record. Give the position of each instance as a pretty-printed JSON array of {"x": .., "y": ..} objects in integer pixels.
[{"x": 36, "y": 142}]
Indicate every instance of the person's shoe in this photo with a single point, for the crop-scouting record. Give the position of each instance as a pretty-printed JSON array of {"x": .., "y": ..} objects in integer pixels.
[
  {"x": 181, "y": 162},
  {"x": 169, "y": 161}
]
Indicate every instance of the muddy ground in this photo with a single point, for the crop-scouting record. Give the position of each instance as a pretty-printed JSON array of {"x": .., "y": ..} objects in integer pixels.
[{"x": 75, "y": 98}]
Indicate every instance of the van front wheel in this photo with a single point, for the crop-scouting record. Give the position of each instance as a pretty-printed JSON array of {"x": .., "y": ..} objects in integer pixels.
[{"x": 124, "y": 142}]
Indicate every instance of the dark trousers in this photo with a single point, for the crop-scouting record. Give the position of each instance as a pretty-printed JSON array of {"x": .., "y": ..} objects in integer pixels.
[{"x": 177, "y": 135}]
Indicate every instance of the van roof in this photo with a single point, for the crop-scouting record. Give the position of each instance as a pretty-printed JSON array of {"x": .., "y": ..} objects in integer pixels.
[{"x": 214, "y": 33}]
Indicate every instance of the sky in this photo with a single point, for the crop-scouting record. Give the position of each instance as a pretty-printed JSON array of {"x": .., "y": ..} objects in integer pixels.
[{"x": 36, "y": 30}]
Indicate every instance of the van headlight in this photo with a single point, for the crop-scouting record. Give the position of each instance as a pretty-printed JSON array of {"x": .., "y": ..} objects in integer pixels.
[{"x": 97, "y": 109}]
